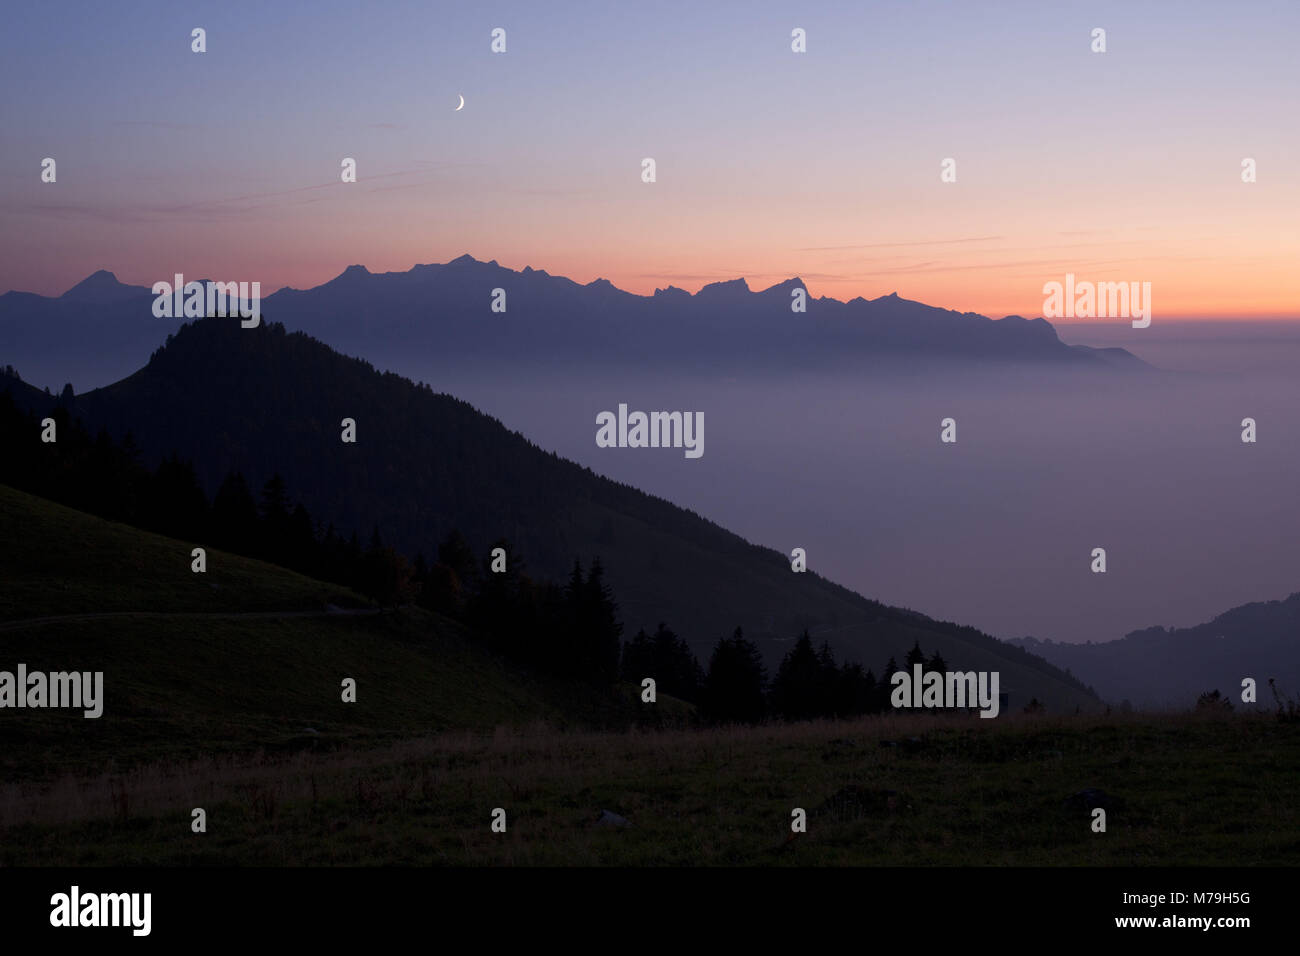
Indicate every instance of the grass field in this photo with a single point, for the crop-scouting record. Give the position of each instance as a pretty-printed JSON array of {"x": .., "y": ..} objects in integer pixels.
[
  {"x": 56, "y": 561},
  {"x": 229, "y": 699},
  {"x": 1190, "y": 790},
  {"x": 242, "y": 658}
]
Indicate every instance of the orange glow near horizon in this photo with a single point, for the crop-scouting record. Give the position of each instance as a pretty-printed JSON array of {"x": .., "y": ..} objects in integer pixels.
[
  {"x": 995, "y": 279},
  {"x": 1195, "y": 277}
]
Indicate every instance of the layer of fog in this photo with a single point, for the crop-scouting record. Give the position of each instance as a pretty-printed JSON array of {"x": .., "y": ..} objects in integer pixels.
[{"x": 996, "y": 530}]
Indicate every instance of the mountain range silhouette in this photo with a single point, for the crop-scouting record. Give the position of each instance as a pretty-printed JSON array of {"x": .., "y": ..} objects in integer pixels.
[{"x": 101, "y": 329}]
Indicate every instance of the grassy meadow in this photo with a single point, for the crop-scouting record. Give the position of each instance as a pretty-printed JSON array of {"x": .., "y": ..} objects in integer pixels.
[
  {"x": 222, "y": 691},
  {"x": 1189, "y": 790}
]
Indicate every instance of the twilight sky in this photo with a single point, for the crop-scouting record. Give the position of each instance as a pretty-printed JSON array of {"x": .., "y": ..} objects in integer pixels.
[{"x": 1116, "y": 166}]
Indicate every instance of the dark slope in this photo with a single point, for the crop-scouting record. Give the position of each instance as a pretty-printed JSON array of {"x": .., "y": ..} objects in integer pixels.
[
  {"x": 264, "y": 401},
  {"x": 242, "y": 658},
  {"x": 26, "y": 396}
]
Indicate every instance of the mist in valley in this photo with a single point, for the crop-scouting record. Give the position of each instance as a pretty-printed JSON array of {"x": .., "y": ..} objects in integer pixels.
[{"x": 997, "y": 529}]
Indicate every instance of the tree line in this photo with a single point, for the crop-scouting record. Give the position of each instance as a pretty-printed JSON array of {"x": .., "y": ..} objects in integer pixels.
[{"x": 735, "y": 688}]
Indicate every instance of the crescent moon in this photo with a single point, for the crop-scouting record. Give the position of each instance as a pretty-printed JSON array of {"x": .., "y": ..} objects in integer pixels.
[{"x": 461, "y": 107}]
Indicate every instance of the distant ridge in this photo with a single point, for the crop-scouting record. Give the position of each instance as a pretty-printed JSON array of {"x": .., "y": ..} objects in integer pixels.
[
  {"x": 1160, "y": 666},
  {"x": 101, "y": 286},
  {"x": 445, "y": 313},
  {"x": 101, "y": 329}
]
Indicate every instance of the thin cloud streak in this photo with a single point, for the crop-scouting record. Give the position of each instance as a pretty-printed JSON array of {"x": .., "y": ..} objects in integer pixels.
[{"x": 899, "y": 245}]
